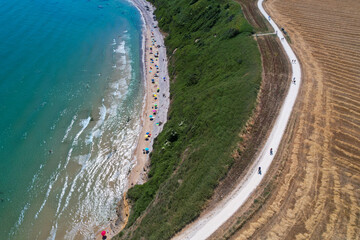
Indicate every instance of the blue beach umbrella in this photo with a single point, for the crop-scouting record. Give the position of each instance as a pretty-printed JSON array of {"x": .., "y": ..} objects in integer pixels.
[{"x": 146, "y": 149}]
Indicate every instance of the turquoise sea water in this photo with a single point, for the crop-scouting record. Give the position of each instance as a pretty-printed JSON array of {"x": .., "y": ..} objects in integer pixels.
[{"x": 70, "y": 100}]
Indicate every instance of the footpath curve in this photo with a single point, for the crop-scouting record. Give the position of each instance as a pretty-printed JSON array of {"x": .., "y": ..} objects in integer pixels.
[{"x": 205, "y": 226}]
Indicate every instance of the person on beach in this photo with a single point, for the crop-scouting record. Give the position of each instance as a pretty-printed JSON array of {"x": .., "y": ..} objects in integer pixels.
[{"x": 103, "y": 234}]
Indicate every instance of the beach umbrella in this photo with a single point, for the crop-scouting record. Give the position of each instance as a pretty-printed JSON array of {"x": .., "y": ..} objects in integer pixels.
[
  {"x": 151, "y": 116},
  {"x": 146, "y": 149},
  {"x": 147, "y": 133},
  {"x": 103, "y": 233},
  {"x": 154, "y": 111},
  {"x": 154, "y": 95}
]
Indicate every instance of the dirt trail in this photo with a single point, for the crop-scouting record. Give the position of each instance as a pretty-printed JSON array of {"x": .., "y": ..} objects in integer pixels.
[
  {"x": 316, "y": 178},
  {"x": 275, "y": 82}
]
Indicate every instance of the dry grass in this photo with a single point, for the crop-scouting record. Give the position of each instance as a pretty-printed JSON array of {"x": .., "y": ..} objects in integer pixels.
[{"x": 317, "y": 194}]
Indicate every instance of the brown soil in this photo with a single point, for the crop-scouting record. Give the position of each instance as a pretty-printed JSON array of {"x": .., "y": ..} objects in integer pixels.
[{"x": 314, "y": 189}]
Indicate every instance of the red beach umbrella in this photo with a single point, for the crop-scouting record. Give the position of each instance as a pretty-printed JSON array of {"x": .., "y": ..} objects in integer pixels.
[{"x": 103, "y": 233}]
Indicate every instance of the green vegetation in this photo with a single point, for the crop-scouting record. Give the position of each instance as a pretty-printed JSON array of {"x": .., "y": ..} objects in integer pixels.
[{"x": 216, "y": 75}]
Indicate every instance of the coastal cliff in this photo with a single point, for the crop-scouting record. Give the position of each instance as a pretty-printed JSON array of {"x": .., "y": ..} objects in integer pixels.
[{"x": 215, "y": 74}]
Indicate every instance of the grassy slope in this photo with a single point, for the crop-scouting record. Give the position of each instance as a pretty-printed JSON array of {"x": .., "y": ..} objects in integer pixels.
[{"x": 214, "y": 85}]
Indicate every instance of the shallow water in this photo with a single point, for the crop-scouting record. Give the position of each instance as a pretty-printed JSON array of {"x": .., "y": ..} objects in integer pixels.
[{"x": 71, "y": 95}]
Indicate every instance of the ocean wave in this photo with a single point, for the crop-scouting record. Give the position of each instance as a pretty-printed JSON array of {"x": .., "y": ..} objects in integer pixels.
[
  {"x": 20, "y": 219},
  {"x": 53, "y": 232},
  {"x": 121, "y": 48},
  {"x": 69, "y": 128},
  {"x": 83, "y": 123},
  {"x": 62, "y": 195},
  {"x": 82, "y": 159},
  {"x": 101, "y": 181},
  {"x": 47, "y": 194},
  {"x": 68, "y": 158},
  {"x": 96, "y": 131}
]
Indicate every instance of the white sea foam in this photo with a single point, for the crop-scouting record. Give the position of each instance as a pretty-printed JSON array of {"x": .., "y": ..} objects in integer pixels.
[
  {"x": 96, "y": 131},
  {"x": 62, "y": 194},
  {"x": 20, "y": 219},
  {"x": 122, "y": 62},
  {"x": 69, "y": 128},
  {"x": 121, "y": 48},
  {"x": 68, "y": 158},
  {"x": 101, "y": 182},
  {"x": 68, "y": 197},
  {"x": 102, "y": 112},
  {"x": 53, "y": 232},
  {"x": 47, "y": 195},
  {"x": 82, "y": 159},
  {"x": 83, "y": 123}
]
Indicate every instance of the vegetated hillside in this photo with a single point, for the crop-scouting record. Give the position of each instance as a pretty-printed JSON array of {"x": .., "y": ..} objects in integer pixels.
[{"x": 215, "y": 73}]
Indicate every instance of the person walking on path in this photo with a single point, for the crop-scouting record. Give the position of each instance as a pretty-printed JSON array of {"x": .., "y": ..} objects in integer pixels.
[
  {"x": 294, "y": 81},
  {"x": 259, "y": 170},
  {"x": 271, "y": 151}
]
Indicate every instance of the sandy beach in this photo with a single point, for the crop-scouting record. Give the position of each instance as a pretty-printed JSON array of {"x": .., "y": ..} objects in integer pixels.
[{"x": 155, "y": 107}]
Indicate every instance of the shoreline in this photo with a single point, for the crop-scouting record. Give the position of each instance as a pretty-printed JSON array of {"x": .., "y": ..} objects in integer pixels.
[{"x": 153, "y": 84}]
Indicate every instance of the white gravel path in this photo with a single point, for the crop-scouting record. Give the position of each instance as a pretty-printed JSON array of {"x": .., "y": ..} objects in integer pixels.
[{"x": 205, "y": 226}]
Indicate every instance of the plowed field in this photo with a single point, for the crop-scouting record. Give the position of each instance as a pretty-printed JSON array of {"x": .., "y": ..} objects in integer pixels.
[{"x": 315, "y": 186}]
